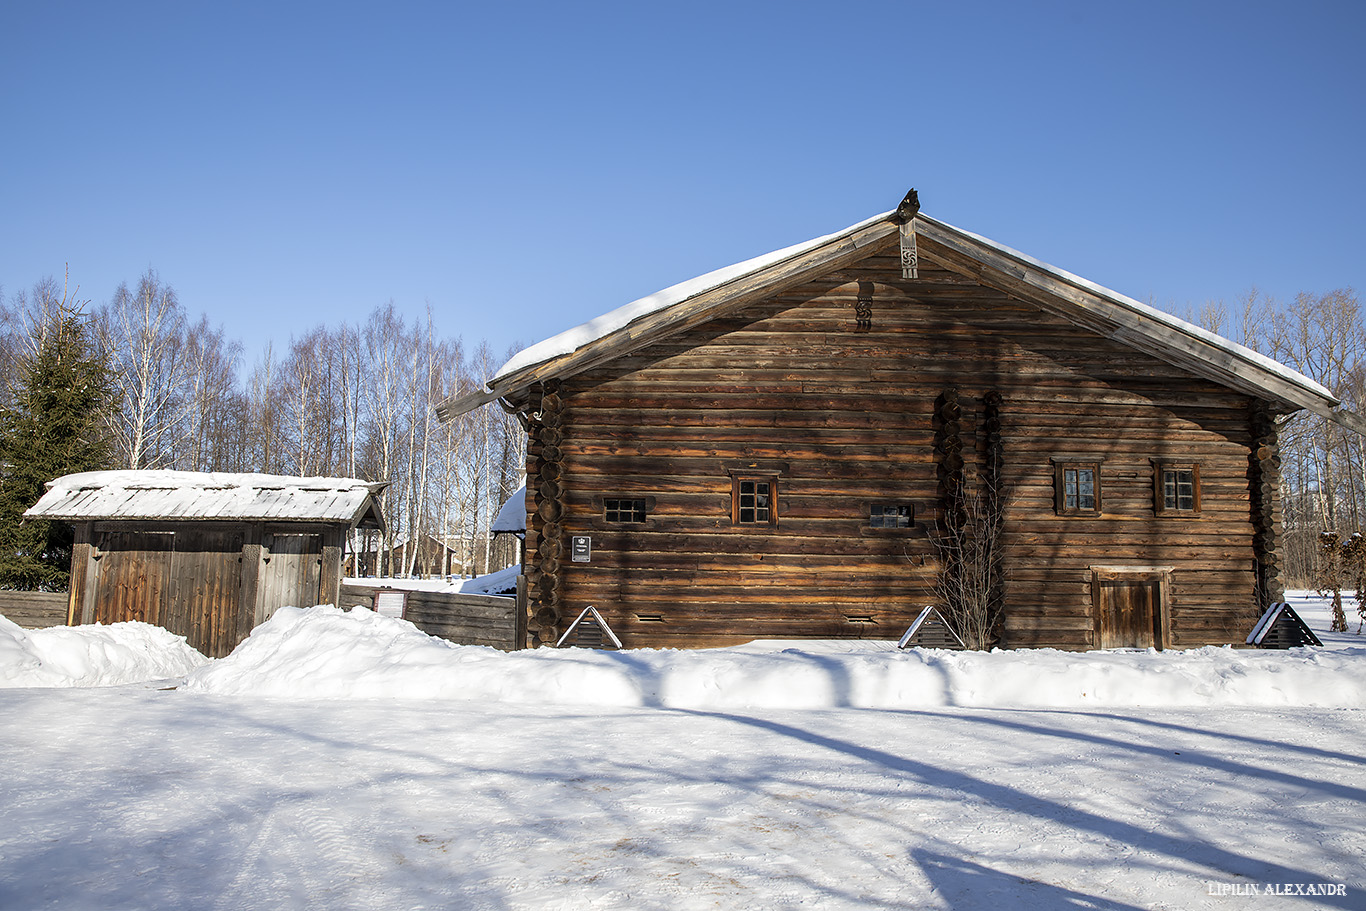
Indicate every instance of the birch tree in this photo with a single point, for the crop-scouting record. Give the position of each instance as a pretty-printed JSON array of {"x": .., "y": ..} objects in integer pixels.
[
  {"x": 214, "y": 421},
  {"x": 385, "y": 344},
  {"x": 142, "y": 337},
  {"x": 264, "y": 441}
]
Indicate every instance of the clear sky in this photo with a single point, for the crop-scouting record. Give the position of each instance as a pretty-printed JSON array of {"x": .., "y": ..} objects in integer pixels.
[{"x": 523, "y": 167}]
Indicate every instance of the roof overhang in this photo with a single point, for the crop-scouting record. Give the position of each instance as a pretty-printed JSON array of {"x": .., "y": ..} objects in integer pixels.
[
  {"x": 184, "y": 496},
  {"x": 1085, "y": 304},
  {"x": 733, "y": 293},
  {"x": 1125, "y": 320}
]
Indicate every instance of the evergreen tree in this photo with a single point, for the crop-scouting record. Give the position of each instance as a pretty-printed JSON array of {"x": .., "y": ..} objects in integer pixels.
[{"x": 52, "y": 428}]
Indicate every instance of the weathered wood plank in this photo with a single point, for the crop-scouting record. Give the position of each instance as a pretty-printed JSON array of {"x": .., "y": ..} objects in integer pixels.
[
  {"x": 35, "y": 610},
  {"x": 465, "y": 619}
]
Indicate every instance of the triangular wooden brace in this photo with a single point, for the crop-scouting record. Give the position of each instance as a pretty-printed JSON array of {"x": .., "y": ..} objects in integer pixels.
[
  {"x": 1281, "y": 627},
  {"x": 931, "y": 631},
  {"x": 591, "y": 631}
]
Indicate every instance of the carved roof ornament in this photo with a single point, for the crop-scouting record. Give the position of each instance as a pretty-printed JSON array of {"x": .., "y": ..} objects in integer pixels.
[
  {"x": 909, "y": 208},
  {"x": 905, "y": 217}
]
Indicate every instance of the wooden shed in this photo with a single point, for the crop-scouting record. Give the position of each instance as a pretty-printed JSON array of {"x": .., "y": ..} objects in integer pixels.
[
  {"x": 206, "y": 555},
  {"x": 782, "y": 449}
]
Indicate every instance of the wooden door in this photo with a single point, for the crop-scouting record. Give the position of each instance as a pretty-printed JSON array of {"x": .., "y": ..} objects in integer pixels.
[
  {"x": 133, "y": 576},
  {"x": 1129, "y": 611},
  {"x": 207, "y": 590},
  {"x": 292, "y": 575}
]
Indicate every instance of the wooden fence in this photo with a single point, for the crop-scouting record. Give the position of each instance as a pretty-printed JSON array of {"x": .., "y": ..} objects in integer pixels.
[
  {"x": 34, "y": 610},
  {"x": 462, "y": 619}
]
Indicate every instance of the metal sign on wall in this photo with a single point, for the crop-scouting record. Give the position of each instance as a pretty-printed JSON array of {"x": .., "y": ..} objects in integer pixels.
[
  {"x": 580, "y": 549},
  {"x": 390, "y": 603}
]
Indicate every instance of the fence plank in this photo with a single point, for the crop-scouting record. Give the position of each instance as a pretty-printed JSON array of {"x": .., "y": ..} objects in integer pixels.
[
  {"x": 462, "y": 619},
  {"x": 34, "y": 610}
]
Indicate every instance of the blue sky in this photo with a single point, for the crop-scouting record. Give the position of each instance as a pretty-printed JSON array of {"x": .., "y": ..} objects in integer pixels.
[{"x": 524, "y": 167}]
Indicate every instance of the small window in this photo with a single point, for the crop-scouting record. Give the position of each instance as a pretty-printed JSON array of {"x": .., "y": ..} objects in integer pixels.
[
  {"x": 754, "y": 501},
  {"x": 1176, "y": 488},
  {"x": 889, "y": 515},
  {"x": 620, "y": 509},
  {"x": 1077, "y": 488}
]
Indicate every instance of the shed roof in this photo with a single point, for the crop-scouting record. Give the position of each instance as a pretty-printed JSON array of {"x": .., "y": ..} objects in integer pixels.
[
  {"x": 995, "y": 265},
  {"x": 192, "y": 495}
]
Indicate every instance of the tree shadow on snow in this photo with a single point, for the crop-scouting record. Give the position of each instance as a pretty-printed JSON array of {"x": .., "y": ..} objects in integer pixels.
[
  {"x": 1221, "y": 862},
  {"x": 1189, "y": 755},
  {"x": 1316, "y": 751},
  {"x": 964, "y": 884}
]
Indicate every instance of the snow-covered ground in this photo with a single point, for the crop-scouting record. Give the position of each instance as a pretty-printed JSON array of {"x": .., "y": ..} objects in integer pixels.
[{"x": 341, "y": 760}]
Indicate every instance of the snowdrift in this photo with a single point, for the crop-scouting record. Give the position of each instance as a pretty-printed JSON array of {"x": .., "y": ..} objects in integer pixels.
[
  {"x": 324, "y": 652},
  {"x": 92, "y": 655},
  {"x": 327, "y": 653}
]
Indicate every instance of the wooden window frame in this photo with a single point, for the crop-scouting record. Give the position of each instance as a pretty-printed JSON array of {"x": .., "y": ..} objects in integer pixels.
[
  {"x": 885, "y": 504},
  {"x": 599, "y": 519},
  {"x": 1160, "y": 468},
  {"x": 608, "y": 509},
  {"x": 1060, "y": 468},
  {"x": 737, "y": 479}
]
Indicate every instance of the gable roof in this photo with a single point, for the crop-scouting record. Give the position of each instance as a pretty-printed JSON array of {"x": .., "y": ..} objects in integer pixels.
[
  {"x": 1081, "y": 302},
  {"x": 194, "y": 495}
]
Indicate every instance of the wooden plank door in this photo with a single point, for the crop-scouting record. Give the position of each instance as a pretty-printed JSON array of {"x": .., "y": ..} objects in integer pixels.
[
  {"x": 292, "y": 575},
  {"x": 1128, "y": 612},
  {"x": 133, "y": 576},
  {"x": 208, "y": 583}
]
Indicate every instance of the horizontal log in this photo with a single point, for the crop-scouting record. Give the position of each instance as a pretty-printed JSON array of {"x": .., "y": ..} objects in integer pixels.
[
  {"x": 468, "y": 632},
  {"x": 1018, "y": 623}
]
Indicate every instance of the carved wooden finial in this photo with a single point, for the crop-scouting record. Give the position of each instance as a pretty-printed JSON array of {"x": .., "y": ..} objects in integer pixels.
[{"x": 908, "y": 208}]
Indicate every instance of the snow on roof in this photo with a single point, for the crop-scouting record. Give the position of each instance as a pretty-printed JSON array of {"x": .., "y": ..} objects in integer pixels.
[
  {"x": 573, "y": 339},
  {"x": 512, "y": 515},
  {"x": 1152, "y": 313},
  {"x": 594, "y": 330},
  {"x": 499, "y": 582},
  {"x": 204, "y": 495}
]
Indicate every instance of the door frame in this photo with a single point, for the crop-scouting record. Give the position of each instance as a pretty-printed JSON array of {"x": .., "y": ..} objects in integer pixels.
[{"x": 1162, "y": 575}]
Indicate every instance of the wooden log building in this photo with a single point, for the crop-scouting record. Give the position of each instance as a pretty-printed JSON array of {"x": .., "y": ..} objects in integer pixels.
[
  {"x": 208, "y": 556},
  {"x": 773, "y": 450}
]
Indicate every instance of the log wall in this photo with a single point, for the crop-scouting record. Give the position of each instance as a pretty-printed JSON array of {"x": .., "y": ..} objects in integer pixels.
[{"x": 842, "y": 413}]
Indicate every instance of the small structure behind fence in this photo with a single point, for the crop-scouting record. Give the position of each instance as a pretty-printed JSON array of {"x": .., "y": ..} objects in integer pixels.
[{"x": 459, "y": 618}]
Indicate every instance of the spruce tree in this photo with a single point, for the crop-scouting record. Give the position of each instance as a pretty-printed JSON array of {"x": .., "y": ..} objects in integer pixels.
[{"x": 51, "y": 428}]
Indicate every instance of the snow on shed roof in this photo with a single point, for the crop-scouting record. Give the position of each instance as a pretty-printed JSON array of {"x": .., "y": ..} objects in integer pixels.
[
  {"x": 512, "y": 516},
  {"x": 181, "y": 495}
]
